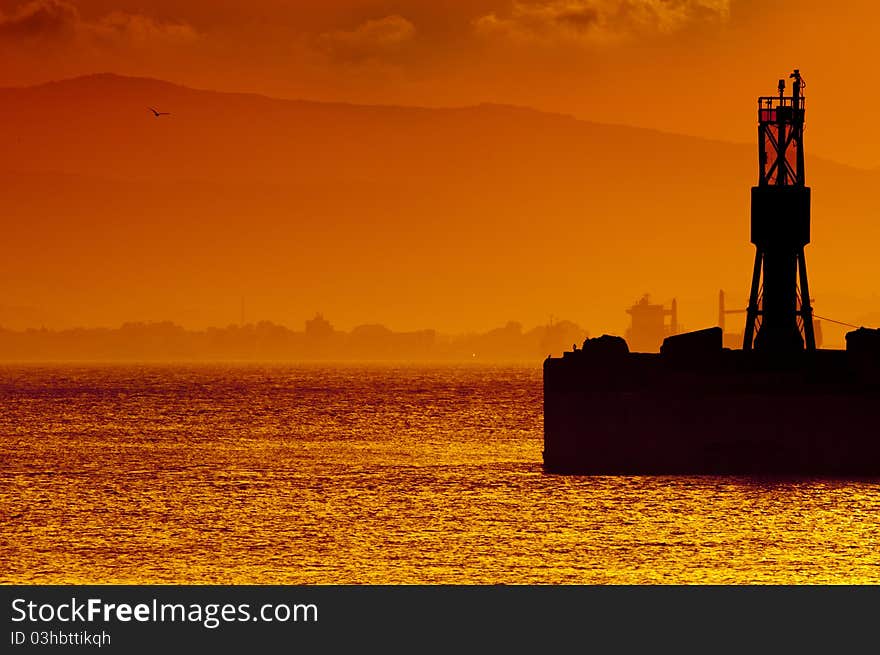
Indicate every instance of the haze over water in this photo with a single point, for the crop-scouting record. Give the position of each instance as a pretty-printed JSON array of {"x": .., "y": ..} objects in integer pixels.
[{"x": 371, "y": 474}]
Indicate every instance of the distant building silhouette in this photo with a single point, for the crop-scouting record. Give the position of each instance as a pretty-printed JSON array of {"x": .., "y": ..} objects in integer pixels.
[
  {"x": 556, "y": 337},
  {"x": 648, "y": 328},
  {"x": 318, "y": 327}
]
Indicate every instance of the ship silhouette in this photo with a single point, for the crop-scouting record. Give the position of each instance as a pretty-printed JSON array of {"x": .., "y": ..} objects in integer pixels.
[{"x": 779, "y": 405}]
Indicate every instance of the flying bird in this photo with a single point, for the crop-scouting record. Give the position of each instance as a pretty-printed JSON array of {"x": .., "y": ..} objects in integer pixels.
[{"x": 159, "y": 113}]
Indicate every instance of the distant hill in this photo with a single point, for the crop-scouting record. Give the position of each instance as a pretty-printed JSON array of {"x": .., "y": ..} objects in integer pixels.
[{"x": 458, "y": 218}]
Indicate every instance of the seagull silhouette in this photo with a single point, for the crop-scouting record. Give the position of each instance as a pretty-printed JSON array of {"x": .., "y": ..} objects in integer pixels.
[{"x": 159, "y": 113}]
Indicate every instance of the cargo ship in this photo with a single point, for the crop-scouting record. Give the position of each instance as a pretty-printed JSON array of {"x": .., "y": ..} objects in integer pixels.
[{"x": 777, "y": 406}]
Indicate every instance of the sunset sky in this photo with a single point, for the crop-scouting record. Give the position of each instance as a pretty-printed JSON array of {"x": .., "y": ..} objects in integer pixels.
[
  {"x": 451, "y": 220},
  {"x": 669, "y": 64}
]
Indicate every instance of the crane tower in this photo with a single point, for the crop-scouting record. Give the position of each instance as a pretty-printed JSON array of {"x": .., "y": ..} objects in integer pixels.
[{"x": 779, "y": 318}]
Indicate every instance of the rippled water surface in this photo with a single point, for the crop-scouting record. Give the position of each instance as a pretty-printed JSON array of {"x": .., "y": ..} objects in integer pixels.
[{"x": 371, "y": 474}]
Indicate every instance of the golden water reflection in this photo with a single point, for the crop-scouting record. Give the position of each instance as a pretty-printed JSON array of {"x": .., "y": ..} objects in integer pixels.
[{"x": 372, "y": 474}]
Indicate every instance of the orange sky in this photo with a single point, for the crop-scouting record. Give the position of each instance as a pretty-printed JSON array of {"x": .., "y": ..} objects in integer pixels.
[
  {"x": 670, "y": 64},
  {"x": 456, "y": 221}
]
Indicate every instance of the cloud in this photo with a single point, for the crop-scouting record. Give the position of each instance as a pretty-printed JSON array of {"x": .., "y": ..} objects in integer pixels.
[
  {"x": 371, "y": 39},
  {"x": 598, "y": 20},
  {"x": 141, "y": 30},
  {"x": 60, "y": 21},
  {"x": 41, "y": 18}
]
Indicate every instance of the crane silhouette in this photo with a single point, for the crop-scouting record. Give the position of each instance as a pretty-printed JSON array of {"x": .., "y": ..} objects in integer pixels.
[{"x": 157, "y": 114}]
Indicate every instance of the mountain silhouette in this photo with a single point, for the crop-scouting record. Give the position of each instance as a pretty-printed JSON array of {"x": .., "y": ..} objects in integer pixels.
[{"x": 452, "y": 217}]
